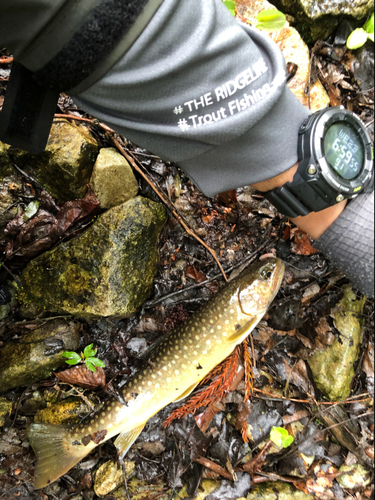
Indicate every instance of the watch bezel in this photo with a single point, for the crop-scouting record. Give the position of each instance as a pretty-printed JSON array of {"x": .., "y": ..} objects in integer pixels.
[{"x": 347, "y": 187}]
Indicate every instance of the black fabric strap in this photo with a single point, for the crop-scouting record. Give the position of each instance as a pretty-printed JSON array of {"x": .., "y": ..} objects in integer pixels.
[
  {"x": 27, "y": 114},
  {"x": 102, "y": 30}
]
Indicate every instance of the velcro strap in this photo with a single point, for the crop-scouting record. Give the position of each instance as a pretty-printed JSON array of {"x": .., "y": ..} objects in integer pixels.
[{"x": 28, "y": 110}]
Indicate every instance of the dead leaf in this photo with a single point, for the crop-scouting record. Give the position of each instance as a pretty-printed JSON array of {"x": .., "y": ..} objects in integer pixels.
[
  {"x": 191, "y": 272},
  {"x": 82, "y": 376},
  {"x": 301, "y": 243},
  {"x": 52, "y": 222}
]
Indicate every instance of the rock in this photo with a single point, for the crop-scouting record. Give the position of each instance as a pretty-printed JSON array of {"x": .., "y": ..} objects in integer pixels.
[
  {"x": 9, "y": 188},
  {"x": 357, "y": 476},
  {"x": 317, "y": 19},
  {"x": 105, "y": 271},
  {"x": 5, "y": 409},
  {"x": 66, "y": 164},
  {"x": 7, "y": 298},
  {"x": 26, "y": 361},
  {"x": 276, "y": 491},
  {"x": 69, "y": 411},
  {"x": 363, "y": 66},
  {"x": 112, "y": 179},
  {"x": 110, "y": 476},
  {"x": 332, "y": 368},
  {"x": 295, "y": 51}
]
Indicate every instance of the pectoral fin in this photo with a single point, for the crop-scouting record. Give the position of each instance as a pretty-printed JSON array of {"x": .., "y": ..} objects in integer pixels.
[
  {"x": 124, "y": 440},
  {"x": 244, "y": 331}
]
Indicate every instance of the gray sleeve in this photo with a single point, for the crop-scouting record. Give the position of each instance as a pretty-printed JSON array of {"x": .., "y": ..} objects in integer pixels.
[
  {"x": 349, "y": 243},
  {"x": 201, "y": 89}
]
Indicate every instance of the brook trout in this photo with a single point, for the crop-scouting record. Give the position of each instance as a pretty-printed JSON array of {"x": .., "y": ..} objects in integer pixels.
[{"x": 171, "y": 373}]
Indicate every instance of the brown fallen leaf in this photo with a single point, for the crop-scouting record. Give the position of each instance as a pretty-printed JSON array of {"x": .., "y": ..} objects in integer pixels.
[
  {"x": 51, "y": 222},
  {"x": 301, "y": 244},
  {"x": 82, "y": 376},
  {"x": 191, "y": 272}
]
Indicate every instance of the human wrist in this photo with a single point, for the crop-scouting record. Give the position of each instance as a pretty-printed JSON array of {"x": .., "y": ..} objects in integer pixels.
[{"x": 315, "y": 223}]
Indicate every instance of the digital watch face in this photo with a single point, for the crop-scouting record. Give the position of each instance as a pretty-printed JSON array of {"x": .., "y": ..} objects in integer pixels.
[{"x": 343, "y": 150}]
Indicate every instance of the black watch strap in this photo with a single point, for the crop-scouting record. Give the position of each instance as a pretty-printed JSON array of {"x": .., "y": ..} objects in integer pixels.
[{"x": 297, "y": 197}]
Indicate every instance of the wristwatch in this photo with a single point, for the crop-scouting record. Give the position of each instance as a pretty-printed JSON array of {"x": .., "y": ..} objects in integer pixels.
[{"x": 336, "y": 162}]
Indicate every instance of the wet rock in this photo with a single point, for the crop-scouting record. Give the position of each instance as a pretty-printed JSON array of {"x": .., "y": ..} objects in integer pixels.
[
  {"x": 357, "y": 476},
  {"x": 110, "y": 476},
  {"x": 69, "y": 411},
  {"x": 317, "y": 19},
  {"x": 66, "y": 164},
  {"x": 105, "y": 271},
  {"x": 363, "y": 66},
  {"x": 332, "y": 368},
  {"x": 7, "y": 298},
  {"x": 9, "y": 188},
  {"x": 295, "y": 51},
  {"x": 5, "y": 409},
  {"x": 112, "y": 179},
  {"x": 277, "y": 491},
  {"x": 26, "y": 361}
]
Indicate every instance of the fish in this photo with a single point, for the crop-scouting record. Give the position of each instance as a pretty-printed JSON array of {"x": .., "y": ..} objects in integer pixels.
[{"x": 170, "y": 374}]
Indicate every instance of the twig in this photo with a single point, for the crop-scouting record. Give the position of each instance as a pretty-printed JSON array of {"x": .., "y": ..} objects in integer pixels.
[
  {"x": 6, "y": 60},
  {"x": 88, "y": 120},
  {"x": 131, "y": 159},
  {"x": 152, "y": 303},
  {"x": 213, "y": 466}
]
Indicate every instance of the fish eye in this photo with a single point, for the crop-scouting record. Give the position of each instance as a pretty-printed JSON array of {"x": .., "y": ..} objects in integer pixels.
[{"x": 266, "y": 272}]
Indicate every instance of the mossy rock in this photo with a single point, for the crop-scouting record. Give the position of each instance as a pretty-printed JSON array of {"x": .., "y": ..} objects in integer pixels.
[
  {"x": 106, "y": 271},
  {"x": 69, "y": 411},
  {"x": 332, "y": 368},
  {"x": 317, "y": 19},
  {"x": 276, "y": 491},
  {"x": 30, "y": 359},
  {"x": 65, "y": 167}
]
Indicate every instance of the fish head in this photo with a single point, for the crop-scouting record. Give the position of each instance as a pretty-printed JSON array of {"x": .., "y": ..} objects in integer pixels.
[{"x": 259, "y": 285}]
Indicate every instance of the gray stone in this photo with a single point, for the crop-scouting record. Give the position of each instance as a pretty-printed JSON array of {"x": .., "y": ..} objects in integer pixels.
[
  {"x": 30, "y": 358},
  {"x": 112, "y": 179},
  {"x": 65, "y": 167},
  {"x": 106, "y": 271}
]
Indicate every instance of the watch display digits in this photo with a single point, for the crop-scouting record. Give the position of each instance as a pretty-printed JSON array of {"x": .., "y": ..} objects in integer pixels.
[
  {"x": 335, "y": 163},
  {"x": 343, "y": 151}
]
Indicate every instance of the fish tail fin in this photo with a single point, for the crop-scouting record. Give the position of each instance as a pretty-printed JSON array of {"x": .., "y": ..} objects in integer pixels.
[{"x": 54, "y": 452}]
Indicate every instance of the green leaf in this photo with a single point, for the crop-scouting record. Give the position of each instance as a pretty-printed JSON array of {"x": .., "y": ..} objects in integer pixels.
[
  {"x": 96, "y": 362},
  {"x": 89, "y": 351},
  {"x": 371, "y": 36},
  {"x": 270, "y": 20},
  {"x": 72, "y": 355},
  {"x": 30, "y": 210},
  {"x": 281, "y": 437},
  {"x": 356, "y": 39},
  {"x": 72, "y": 361},
  {"x": 231, "y": 6},
  {"x": 369, "y": 26},
  {"x": 89, "y": 365}
]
